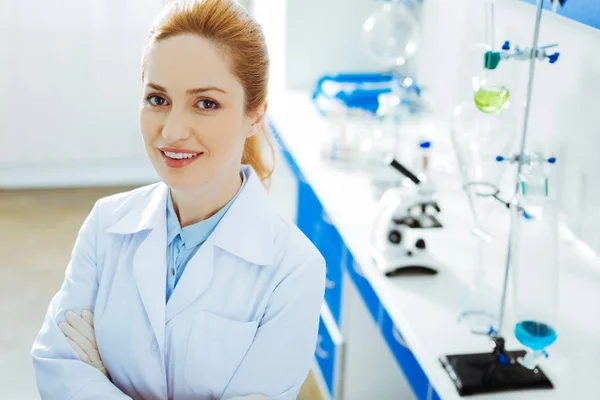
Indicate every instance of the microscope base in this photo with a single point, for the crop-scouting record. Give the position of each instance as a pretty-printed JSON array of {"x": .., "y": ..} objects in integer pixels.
[
  {"x": 483, "y": 373},
  {"x": 393, "y": 264}
]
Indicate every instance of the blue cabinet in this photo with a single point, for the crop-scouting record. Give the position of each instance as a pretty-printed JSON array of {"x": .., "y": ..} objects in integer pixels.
[
  {"x": 314, "y": 222},
  {"x": 329, "y": 353},
  {"x": 406, "y": 360}
]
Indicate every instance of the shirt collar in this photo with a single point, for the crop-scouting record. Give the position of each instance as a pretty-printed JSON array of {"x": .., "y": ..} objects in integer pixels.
[
  {"x": 247, "y": 230},
  {"x": 195, "y": 234}
]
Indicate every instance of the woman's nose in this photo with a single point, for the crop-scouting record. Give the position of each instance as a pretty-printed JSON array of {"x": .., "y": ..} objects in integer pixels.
[{"x": 176, "y": 128}]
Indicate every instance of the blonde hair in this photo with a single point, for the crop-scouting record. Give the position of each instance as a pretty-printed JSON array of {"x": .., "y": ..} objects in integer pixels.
[{"x": 240, "y": 37}]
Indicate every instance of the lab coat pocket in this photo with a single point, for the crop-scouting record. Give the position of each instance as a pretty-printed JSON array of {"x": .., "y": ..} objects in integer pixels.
[{"x": 216, "y": 347}]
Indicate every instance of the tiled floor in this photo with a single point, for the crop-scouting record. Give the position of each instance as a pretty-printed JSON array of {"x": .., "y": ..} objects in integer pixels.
[{"x": 38, "y": 228}]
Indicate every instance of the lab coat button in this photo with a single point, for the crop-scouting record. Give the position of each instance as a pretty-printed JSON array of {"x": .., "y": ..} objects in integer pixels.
[{"x": 154, "y": 346}]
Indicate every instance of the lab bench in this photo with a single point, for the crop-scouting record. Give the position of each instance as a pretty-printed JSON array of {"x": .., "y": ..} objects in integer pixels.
[{"x": 381, "y": 338}]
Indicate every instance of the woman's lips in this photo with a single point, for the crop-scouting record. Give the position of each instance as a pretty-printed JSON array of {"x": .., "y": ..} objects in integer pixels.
[{"x": 178, "y": 162}]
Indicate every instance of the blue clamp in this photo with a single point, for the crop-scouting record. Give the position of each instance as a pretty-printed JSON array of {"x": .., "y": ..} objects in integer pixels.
[
  {"x": 553, "y": 57},
  {"x": 503, "y": 359},
  {"x": 545, "y": 353},
  {"x": 506, "y": 46},
  {"x": 515, "y": 158}
]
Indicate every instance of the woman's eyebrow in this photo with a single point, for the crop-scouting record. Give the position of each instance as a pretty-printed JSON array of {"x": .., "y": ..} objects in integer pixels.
[
  {"x": 205, "y": 89},
  {"x": 156, "y": 87},
  {"x": 190, "y": 91}
]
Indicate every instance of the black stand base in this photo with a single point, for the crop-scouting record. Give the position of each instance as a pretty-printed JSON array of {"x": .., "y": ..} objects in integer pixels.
[{"x": 487, "y": 373}]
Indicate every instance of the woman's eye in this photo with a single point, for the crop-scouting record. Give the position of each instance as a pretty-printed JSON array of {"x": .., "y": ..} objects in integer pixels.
[
  {"x": 207, "y": 104},
  {"x": 156, "y": 100}
]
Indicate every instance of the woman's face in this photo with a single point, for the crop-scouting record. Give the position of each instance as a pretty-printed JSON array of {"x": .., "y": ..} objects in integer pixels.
[{"x": 192, "y": 115}]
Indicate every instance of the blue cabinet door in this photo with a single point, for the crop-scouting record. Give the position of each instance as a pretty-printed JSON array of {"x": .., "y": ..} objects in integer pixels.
[
  {"x": 309, "y": 214},
  {"x": 406, "y": 360},
  {"x": 325, "y": 354},
  {"x": 329, "y": 352},
  {"x": 331, "y": 247}
]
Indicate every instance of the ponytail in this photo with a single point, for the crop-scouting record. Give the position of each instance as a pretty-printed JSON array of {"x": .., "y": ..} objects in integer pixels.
[{"x": 254, "y": 155}]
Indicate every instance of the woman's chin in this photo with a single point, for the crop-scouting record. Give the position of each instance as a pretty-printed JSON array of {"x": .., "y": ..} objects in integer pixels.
[{"x": 180, "y": 180}]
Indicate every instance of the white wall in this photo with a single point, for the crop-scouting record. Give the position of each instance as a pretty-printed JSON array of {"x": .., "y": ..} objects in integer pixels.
[{"x": 69, "y": 72}]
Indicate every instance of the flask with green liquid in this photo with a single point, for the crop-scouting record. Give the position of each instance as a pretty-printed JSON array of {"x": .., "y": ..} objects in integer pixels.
[{"x": 491, "y": 96}]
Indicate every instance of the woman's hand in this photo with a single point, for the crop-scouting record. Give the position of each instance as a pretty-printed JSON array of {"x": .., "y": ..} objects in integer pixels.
[{"x": 79, "y": 330}]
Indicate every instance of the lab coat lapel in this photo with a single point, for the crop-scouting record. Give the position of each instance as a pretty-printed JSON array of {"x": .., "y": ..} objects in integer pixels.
[
  {"x": 194, "y": 281},
  {"x": 147, "y": 218},
  {"x": 149, "y": 269},
  {"x": 248, "y": 228}
]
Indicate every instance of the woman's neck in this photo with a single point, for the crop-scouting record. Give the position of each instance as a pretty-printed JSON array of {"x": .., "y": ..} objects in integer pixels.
[{"x": 198, "y": 204}]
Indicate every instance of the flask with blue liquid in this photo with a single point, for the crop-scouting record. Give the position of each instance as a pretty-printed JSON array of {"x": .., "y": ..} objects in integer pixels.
[{"x": 535, "y": 260}]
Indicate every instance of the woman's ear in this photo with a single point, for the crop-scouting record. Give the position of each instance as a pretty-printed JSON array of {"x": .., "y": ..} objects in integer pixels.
[{"x": 256, "y": 120}]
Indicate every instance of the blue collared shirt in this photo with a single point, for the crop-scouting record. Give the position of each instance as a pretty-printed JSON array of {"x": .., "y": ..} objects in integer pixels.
[{"x": 182, "y": 244}]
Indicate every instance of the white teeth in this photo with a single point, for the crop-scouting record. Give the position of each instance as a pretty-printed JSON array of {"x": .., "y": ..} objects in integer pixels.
[{"x": 179, "y": 156}]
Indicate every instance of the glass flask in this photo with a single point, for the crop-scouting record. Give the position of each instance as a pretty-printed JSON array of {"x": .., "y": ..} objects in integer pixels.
[
  {"x": 535, "y": 261},
  {"x": 390, "y": 34},
  {"x": 478, "y": 139},
  {"x": 489, "y": 92}
]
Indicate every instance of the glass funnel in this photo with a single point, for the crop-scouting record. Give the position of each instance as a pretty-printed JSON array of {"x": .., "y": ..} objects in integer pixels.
[{"x": 479, "y": 139}]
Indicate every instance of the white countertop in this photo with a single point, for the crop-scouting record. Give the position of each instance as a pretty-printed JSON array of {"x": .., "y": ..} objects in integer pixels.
[{"x": 426, "y": 308}]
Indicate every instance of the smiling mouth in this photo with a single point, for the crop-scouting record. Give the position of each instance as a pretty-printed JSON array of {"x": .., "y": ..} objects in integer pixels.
[
  {"x": 179, "y": 159},
  {"x": 179, "y": 156}
]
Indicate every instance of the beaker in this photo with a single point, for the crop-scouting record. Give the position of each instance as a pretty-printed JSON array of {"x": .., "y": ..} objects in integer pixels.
[{"x": 535, "y": 261}]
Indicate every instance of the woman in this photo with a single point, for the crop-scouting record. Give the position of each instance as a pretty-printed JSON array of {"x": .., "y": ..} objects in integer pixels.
[{"x": 198, "y": 289}]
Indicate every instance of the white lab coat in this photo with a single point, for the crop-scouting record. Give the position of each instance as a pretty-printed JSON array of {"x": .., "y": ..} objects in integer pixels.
[{"x": 242, "y": 320}]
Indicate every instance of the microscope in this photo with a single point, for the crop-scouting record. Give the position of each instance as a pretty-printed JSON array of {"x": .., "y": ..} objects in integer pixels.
[{"x": 404, "y": 213}]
